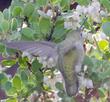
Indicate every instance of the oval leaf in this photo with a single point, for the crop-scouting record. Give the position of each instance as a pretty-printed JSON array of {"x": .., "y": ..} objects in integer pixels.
[
  {"x": 17, "y": 82},
  {"x": 28, "y": 9},
  {"x": 106, "y": 28}
]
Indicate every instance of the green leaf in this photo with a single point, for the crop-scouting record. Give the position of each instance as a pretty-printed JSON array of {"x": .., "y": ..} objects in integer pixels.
[
  {"x": 4, "y": 25},
  {"x": 83, "y": 2},
  {"x": 65, "y": 4},
  {"x": 102, "y": 92},
  {"x": 28, "y": 9},
  {"x": 41, "y": 3},
  {"x": 7, "y": 86},
  {"x": 11, "y": 51},
  {"x": 8, "y": 63},
  {"x": 7, "y": 14},
  {"x": 59, "y": 31},
  {"x": 94, "y": 76},
  {"x": 88, "y": 61},
  {"x": 2, "y": 48},
  {"x": 11, "y": 91},
  {"x": 16, "y": 11},
  {"x": 54, "y": 2},
  {"x": 103, "y": 45},
  {"x": 44, "y": 25},
  {"x": 34, "y": 17},
  {"x": 61, "y": 94},
  {"x": 1, "y": 16},
  {"x": 36, "y": 66},
  {"x": 68, "y": 99},
  {"x": 3, "y": 78},
  {"x": 106, "y": 28},
  {"x": 11, "y": 100},
  {"x": 14, "y": 24},
  {"x": 36, "y": 69},
  {"x": 106, "y": 4},
  {"x": 59, "y": 86},
  {"x": 17, "y": 82},
  {"x": 27, "y": 33},
  {"x": 23, "y": 62},
  {"x": 15, "y": 36},
  {"x": 24, "y": 76},
  {"x": 42, "y": 14}
]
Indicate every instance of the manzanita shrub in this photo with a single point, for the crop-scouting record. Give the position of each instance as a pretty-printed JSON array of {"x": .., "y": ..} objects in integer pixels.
[{"x": 34, "y": 20}]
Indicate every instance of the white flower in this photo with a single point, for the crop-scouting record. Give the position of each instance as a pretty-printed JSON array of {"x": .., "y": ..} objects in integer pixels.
[
  {"x": 84, "y": 82},
  {"x": 81, "y": 9},
  {"x": 72, "y": 21},
  {"x": 93, "y": 11},
  {"x": 100, "y": 36},
  {"x": 51, "y": 81},
  {"x": 96, "y": 5},
  {"x": 103, "y": 13},
  {"x": 68, "y": 25},
  {"x": 88, "y": 47},
  {"x": 87, "y": 36},
  {"x": 47, "y": 62},
  {"x": 89, "y": 83},
  {"x": 4, "y": 100},
  {"x": 76, "y": 16},
  {"x": 103, "y": 35},
  {"x": 50, "y": 13},
  {"x": 2, "y": 68},
  {"x": 84, "y": 34},
  {"x": 24, "y": 25}
]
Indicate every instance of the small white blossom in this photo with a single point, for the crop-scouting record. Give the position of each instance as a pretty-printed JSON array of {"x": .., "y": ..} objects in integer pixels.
[
  {"x": 47, "y": 62},
  {"x": 81, "y": 9},
  {"x": 4, "y": 100},
  {"x": 76, "y": 16},
  {"x": 103, "y": 13},
  {"x": 24, "y": 25},
  {"x": 103, "y": 35},
  {"x": 87, "y": 36},
  {"x": 68, "y": 25},
  {"x": 100, "y": 36},
  {"x": 72, "y": 21},
  {"x": 106, "y": 86},
  {"x": 88, "y": 47},
  {"x": 89, "y": 83},
  {"x": 92, "y": 10},
  {"x": 84, "y": 82},
  {"x": 85, "y": 68},
  {"x": 2, "y": 68},
  {"x": 51, "y": 81},
  {"x": 50, "y": 13}
]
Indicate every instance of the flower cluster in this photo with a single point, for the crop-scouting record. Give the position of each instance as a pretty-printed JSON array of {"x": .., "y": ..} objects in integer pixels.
[
  {"x": 92, "y": 10},
  {"x": 47, "y": 62},
  {"x": 72, "y": 21}
]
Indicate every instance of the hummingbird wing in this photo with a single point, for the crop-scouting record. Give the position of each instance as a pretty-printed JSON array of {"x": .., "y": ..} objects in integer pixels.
[{"x": 38, "y": 48}]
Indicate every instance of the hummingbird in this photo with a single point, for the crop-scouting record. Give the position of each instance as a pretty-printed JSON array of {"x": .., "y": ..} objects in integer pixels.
[{"x": 67, "y": 56}]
